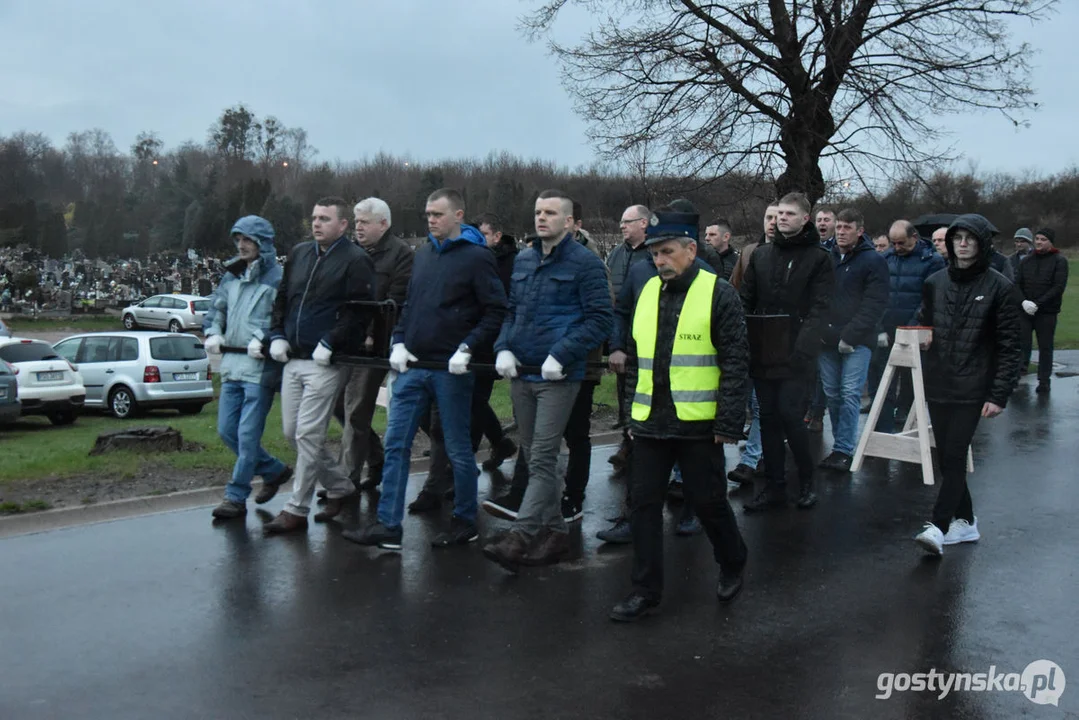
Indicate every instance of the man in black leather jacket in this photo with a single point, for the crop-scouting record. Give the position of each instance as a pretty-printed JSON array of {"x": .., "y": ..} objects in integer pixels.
[{"x": 971, "y": 367}]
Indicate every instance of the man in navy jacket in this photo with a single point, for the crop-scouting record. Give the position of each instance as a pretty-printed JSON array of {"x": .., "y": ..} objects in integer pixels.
[
  {"x": 455, "y": 303},
  {"x": 559, "y": 311},
  {"x": 910, "y": 262},
  {"x": 858, "y": 302}
]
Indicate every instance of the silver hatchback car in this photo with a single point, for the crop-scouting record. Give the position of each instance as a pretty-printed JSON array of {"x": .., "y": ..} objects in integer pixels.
[
  {"x": 175, "y": 313},
  {"x": 125, "y": 372}
]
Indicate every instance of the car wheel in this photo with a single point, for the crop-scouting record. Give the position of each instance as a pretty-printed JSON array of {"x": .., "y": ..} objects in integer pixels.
[
  {"x": 122, "y": 403},
  {"x": 190, "y": 409},
  {"x": 129, "y": 322},
  {"x": 63, "y": 417},
  {"x": 175, "y": 326}
]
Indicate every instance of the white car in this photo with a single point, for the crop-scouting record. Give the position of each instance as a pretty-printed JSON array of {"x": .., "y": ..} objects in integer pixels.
[
  {"x": 49, "y": 385},
  {"x": 175, "y": 313},
  {"x": 128, "y": 372}
]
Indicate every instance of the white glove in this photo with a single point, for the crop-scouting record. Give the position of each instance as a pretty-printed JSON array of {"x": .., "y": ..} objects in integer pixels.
[
  {"x": 459, "y": 363},
  {"x": 254, "y": 349},
  {"x": 882, "y": 340},
  {"x": 322, "y": 355},
  {"x": 506, "y": 364},
  {"x": 1030, "y": 307},
  {"x": 399, "y": 357},
  {"x": 552, "y": 369},
  {"x": 279, "y": 350},
  {"x": 213, "y": 344},
  {"x": 844, "y": 348}
]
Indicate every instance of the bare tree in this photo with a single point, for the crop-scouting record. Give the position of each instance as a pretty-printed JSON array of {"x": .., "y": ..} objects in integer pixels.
[{"x": 780, "y": 87}]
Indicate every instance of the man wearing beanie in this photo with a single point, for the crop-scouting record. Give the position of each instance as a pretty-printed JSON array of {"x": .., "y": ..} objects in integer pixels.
[
  {"x": 1041, "y": 280},
  {"x": 1024, "y": 243}
]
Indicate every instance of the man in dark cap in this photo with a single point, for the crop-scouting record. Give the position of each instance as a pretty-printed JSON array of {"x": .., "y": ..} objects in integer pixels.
[
  {"x": 686, "y": 385},
  {"x": 1041, "y": 280}
]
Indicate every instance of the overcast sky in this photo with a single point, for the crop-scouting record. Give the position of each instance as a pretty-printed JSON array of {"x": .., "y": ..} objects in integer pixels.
[{"x": 426, "y": 78}]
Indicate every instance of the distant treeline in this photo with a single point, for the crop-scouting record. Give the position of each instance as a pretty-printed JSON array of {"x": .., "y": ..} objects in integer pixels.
[{"x": 89, "y": 195}]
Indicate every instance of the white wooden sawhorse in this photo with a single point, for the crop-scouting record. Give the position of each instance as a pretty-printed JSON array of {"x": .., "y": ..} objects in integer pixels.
[{"x": 914, "y": 442}]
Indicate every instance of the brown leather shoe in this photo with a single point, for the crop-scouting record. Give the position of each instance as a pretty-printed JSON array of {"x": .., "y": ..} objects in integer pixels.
[
  {"x": 508, "y": 550},
  {"x": 285, "y": 523},
  {"x": 270, "y": 486},
  {"x": 332, "y": 508},
  {"x": 620, "y": 458},
  {"x": 548, "y": 548}
]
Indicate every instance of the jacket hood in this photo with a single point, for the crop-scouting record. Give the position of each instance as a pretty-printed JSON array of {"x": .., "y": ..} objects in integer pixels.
[
  {"x": 507, "y": 245},
  {"x": 468, "y": 234},
  {"x": 258, "y": 229},
  {"x": 807, "y": 237},
  {"x": 983, "y": 230}
]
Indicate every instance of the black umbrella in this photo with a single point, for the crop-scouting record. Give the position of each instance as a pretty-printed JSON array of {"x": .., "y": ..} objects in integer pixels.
[{"x": 927, "y": 224}]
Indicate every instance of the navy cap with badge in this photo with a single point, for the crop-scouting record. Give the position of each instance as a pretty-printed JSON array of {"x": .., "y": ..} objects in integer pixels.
[{"x": 668, "y": 225}]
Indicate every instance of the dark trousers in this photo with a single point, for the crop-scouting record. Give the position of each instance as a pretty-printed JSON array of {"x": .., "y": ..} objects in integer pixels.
[
  {"x": 897, "y": 402},
  {"x": 704, "y": 485},
  {"x": 484, "y": 421},
  {"x": 1045, "y": 324},
  {"x": 578, "y": 436},
  {"x": 782, "y": 404},
  {"x": 953, "y": 428}
]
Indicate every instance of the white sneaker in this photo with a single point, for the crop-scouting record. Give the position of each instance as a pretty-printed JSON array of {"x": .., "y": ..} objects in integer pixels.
[
  {"x": 960, "y": 531},
  {"x": 931, "y": 539}
]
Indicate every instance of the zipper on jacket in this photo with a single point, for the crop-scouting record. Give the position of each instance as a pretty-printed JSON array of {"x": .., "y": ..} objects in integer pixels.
[{"x": 299, "y": 313}]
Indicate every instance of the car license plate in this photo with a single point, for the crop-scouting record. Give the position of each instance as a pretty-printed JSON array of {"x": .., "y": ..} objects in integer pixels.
[
  {"x": 185, "y": 376},
  {"x": 50, "y": 376}
]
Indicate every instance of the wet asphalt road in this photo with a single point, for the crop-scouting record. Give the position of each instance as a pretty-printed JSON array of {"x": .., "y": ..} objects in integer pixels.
[{"x": 168, "y": 617}]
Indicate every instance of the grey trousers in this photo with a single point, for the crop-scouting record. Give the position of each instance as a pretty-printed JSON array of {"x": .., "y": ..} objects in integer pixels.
[
  {"x": 359, "y": 397},
  {"x": 542, "y": 410},
  {"x": 308, "y": 394}
]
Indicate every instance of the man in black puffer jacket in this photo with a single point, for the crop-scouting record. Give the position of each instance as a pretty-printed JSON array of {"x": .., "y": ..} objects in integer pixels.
[
  {"x": 1041, "y": 280},
  {"x": 786, "y": 291},
  {"x": 971, "y": 367}
]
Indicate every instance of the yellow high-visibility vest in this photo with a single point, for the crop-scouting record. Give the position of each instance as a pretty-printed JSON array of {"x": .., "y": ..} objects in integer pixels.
[{"x": 694, "y": 374}]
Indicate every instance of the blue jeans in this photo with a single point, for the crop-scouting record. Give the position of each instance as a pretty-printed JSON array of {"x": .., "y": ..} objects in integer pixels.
[
  {"x": 751, "y": 453},
  {"x": 413, "y": 393},
  {"x": 241, "y": 418},
  {"x": 843, "y": 376}
]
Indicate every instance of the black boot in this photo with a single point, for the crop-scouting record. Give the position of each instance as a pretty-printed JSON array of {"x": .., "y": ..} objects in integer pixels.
[
  {"x": 807, "y": 498},
  {"x": 771, "y": 497}
]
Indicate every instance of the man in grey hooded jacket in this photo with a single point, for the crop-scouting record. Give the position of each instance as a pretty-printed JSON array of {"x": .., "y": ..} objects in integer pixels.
[{"x": 240, "y": 317}]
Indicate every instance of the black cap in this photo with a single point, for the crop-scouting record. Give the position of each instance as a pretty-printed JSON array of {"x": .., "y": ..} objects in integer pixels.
[{"x": 668, "y": 225}]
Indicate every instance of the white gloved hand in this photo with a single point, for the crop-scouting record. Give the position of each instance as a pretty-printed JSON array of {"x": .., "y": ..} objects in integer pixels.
[
  {"x": 279, "y": 350},
  {"x": 213, "y": 344},
  {"x": 399, "y": 357},
  {"x": 322, "y": 355},
  {"x": 552, "y": 369},
  {"x": 844, "y": 348},
  {"x": 1030, "y": 307},
  {"x": 254, "y": 349},
  {"x": 882, "y": 340},
  {"x": 506, "y": 364},
  {"x": 459, "y": 363}
]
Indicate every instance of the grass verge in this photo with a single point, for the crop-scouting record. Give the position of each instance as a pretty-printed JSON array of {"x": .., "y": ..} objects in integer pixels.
[{"x": 34, "y": 449}]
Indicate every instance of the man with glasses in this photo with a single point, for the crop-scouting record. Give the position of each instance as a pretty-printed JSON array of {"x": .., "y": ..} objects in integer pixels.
[{"x": 633, "y": 224}]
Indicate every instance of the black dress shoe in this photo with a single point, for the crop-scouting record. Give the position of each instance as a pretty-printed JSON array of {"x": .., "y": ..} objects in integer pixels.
[
  {"x": 807, "y": 498},
  {"x": 769, "y": 498},
  {"x": 633, "y": 608},
  {"x": 730, "y": 584},
  {"x": 425, "y": 502}
]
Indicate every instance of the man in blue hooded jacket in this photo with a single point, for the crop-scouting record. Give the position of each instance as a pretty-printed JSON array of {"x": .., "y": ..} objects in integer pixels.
[
  {"x": 455, "y": 303},
  {"x": 559, "y": 312},
  {"x": 850, "y": 332},
  {"x": 241, "y": 318}
]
